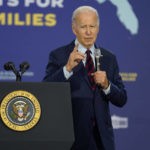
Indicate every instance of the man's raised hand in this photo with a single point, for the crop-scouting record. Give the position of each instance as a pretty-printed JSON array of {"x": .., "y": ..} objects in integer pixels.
[{"x": 74, "y": 58}]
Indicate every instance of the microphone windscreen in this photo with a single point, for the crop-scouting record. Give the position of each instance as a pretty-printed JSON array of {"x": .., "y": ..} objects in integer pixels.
[
  {"x": 9, "y": 66},
  {"x": 24, "y": 66},
  {"x": 97, "y": 52}
]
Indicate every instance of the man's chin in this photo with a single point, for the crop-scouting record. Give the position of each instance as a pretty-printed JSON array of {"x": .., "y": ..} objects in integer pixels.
[{"x": 88, "y": 45}]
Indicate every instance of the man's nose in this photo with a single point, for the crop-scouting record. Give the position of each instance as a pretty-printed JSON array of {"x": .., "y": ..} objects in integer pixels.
[{"x": 88, "y": 30}]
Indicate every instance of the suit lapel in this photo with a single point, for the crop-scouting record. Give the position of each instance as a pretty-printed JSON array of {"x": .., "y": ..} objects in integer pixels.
[{"x": 103, "y": 63}]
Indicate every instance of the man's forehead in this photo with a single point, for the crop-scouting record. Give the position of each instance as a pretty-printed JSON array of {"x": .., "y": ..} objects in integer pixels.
[
  {"x": 86, "y": 13},
  {"x": 88, "y": 19}
]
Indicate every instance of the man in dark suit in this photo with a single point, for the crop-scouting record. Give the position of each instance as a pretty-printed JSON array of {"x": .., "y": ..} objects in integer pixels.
[{"x": 91, "y": 90}]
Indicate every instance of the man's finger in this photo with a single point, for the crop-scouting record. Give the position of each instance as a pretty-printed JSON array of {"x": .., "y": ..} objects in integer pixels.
[{"x": 76, "y": 47}]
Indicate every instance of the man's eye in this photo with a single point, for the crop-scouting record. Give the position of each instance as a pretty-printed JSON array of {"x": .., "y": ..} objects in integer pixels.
[
  {"x": 82, "y": 27},
  {"x": 92, "y": 26}
]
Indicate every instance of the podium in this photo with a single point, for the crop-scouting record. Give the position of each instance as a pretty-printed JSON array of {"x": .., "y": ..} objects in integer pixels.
[{"x": 54, "y": 130}]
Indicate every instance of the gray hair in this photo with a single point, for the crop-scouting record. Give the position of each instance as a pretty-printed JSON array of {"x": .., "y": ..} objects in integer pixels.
[{"x": 84, "y": 9}]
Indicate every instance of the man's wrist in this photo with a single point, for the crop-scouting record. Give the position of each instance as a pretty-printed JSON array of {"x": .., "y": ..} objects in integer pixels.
[
  {"x": 107, "y": 85},
  {"x": 67, "y": 74},
  {"x": 107, "y": 90},
  {"x": 68, "y": 68}
]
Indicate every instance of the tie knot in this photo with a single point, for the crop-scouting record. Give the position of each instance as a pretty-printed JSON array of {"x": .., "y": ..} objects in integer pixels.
[{"x": 88, "y": 52}]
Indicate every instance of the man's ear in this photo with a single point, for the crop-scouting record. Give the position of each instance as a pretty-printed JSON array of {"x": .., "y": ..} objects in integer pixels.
[
  {"x": 74, "y": 29},
  {"x": 98, "y": 28}
]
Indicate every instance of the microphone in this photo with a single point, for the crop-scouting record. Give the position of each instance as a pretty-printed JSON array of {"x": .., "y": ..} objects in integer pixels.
[
  {"x": 97, "y": 53},
  {"x": 23, "y": 67},
  {"x": 10, "y": 66}
]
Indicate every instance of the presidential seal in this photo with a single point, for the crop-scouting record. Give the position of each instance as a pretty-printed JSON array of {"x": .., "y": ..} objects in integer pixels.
[{"x": 20, "y": 110}]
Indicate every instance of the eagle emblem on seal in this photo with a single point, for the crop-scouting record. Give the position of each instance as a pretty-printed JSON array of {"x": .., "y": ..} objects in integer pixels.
[{"x": 20, "y": 111}]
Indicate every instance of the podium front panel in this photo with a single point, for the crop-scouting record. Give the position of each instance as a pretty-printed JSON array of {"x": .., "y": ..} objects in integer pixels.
[{"x": 54, "y": 131}]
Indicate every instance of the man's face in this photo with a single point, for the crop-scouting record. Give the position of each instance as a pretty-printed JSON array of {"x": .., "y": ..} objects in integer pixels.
[{"x": 86, "y": 28}]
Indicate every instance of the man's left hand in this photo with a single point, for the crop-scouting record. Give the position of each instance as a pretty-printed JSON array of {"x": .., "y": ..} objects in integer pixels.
[{"x": 100, "y": 78}]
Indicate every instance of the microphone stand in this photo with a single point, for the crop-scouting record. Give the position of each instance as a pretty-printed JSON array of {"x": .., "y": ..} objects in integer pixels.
[{"x": 18, "y": 77}]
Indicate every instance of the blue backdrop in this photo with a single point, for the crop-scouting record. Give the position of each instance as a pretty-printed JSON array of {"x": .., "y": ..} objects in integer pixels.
[{"x": 30, "y": 29}]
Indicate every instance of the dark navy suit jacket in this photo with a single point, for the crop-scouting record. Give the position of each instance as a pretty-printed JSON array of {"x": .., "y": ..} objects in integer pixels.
[{"x": 87, "y": 104}]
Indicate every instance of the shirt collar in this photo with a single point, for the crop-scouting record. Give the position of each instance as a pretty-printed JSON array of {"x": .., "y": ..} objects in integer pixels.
[{"x": 82, "y": 49}]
